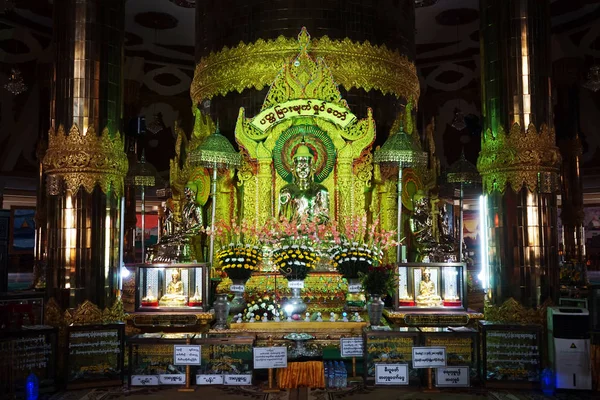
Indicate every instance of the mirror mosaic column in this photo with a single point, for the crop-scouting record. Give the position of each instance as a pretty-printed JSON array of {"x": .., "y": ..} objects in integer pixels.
[
  {"x": 85, "y": 163},
  {"x": 519, "y": 161}
]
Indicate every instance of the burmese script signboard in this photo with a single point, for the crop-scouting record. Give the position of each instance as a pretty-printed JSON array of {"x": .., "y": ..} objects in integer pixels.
[
  {"x": 25, "y": 351},
  {"x": 351, "y": 347},
  {"x": 389, "y": 347},
  {"x": 95, "y": 354},
  {"x": 270, "y": 357},
  {"x": 227, "y": 357},
  {"x": 303, "y": 108},
  {"x": 429, "y": 357},
  {"x": 452, "y": 377},
  {"x": 461, "y": 346},
  {"x": 436, "y": 319},
  {"x": 186, "y": 355},
  {"x": 391, "y": 374},
  {"x": 511, "y": 354}
]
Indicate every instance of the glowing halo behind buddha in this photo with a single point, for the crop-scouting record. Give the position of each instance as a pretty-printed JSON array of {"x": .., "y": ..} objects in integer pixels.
[{"x": 303, "y": 198}]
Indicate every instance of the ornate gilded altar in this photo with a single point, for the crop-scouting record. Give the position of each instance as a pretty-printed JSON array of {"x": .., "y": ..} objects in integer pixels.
[
  {"x": 303, "y": 113},
  {"x": 304, "y": 104}
]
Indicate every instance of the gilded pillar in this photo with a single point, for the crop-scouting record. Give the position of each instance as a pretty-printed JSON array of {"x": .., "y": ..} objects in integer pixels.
[
  {"x": 572, "y": 213},
  {"x": 85, "y": 163},
  {"x": 519, "y": 161},
  {"x": 566, "y": 79}
]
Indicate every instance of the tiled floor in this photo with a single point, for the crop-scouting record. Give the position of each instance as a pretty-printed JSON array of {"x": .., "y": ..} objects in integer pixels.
[{"x": 254, "y": 393}]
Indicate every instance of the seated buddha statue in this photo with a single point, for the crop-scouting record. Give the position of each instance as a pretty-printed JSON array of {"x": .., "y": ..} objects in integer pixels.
[
  {"x": 303, "y": 199},
  {"x": 175, "y": 295},
  {"x": 427, "y": 294},
  {"x": 184, "y": 242}
]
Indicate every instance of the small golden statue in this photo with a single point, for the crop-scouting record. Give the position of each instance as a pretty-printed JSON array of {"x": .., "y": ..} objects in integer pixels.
[
  {"x": 427, "y": 294},
  {"x": 304, "y": 199},
  {"x": 175, "y": 295}
]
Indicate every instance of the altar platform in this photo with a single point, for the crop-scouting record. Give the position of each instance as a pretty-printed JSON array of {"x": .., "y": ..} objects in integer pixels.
[{"x": 323, "y": 333}]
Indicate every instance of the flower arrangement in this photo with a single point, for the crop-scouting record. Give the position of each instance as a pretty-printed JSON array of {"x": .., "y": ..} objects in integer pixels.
[
  {"x": 296, "y": 246},
  {"x": 264, "y": 307},
  {"x": 359, "y": 246},
  {"x": 379, "y": 279},
  {"x": 241, "y": 250}
]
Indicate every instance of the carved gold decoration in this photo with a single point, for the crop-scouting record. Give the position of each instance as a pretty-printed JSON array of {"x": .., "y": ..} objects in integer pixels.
[
  {"x": 353, "y": 65},
  {"x": 384, "y": 202},
  {"x": 52, "y": 313},
  {"x": 304, "y": 77},
  {"x": 86, "y": 159},
  {"x": 182, "y": 173},
  {"x": 511, "y": 311},
  {"x": 86, "y": 313},
  {"x": 519, "y": 158}
]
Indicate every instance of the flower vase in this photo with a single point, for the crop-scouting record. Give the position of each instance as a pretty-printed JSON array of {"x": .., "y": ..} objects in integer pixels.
[
  {"x": 221, "y": 306},
  {"x": 375, "y": 309},
  {"x": 238, "y": 303},
  {"x": 294, "y": 305},
  {"x": 355, "y": 298}
]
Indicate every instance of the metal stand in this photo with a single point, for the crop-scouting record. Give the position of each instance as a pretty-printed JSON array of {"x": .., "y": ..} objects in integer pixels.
[
  {"x": 430, "y": 388},
  {"x": 354, "y": 378},
  {"x": 461, "y": 225},
  {"x": 188, "y": 378},
  {"x": 399, "y": 226},
  {"x": 213, "y": 194},
  {"x": 143, "y": 224},
  {"x": 270, "y": 388}
]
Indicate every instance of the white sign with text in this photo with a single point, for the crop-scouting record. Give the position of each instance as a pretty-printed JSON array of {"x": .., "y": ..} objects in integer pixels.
[
  {"x": 452, "y": 376},
  {"x": 429, "y": 357},
  {"x": 351, "y": 347},
  {"x": 144, "y": 380},
  {"x": 237, "y": 288},
  {"x": 391, "y": 374},
  {"x": 270, "y": 357},
  {"x": 209, "y": 379},
  {"x": 354, "y": 288},
  {"x": 296, "y": 284},
  {"x": 172, "y": 379},
  {"x": 237, "y": 380},
  {"x": 186, "y": 355}
]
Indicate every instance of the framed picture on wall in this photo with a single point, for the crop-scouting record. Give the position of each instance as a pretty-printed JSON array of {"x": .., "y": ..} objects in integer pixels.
[
  {"x": 151, "y": 230},
  {"x": 22, "y": 230}
]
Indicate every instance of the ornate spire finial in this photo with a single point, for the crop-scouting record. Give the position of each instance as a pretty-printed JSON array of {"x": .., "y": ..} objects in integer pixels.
[{"x": 304, "y": 40}]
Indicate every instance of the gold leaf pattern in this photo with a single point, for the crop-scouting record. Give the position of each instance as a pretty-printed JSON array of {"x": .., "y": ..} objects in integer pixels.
[
  {"x": 523, "y": 157},
  {"x": 511, "y": 311},
  {"x": 353, "y": 65},
  {"x": 86, "y": 159}
]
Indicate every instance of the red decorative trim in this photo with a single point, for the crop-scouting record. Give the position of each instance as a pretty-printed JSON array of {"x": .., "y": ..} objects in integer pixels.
[{"x": 452, "y": 303}]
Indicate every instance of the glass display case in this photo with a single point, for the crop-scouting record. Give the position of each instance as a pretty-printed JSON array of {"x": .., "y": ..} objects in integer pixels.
[
  {"x": 168, "y": 287},
  {"x": 431, "y": 285}
]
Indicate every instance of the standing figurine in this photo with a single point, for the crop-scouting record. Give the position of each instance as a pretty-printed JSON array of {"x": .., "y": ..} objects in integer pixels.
[
  {"x": 331, "y": 317},
  {"x": 264, "y": 318},
  {"x": 307, "y": 317},
  {"x": 345, "y": 317},
  {"x": 319, "y": 319}
]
